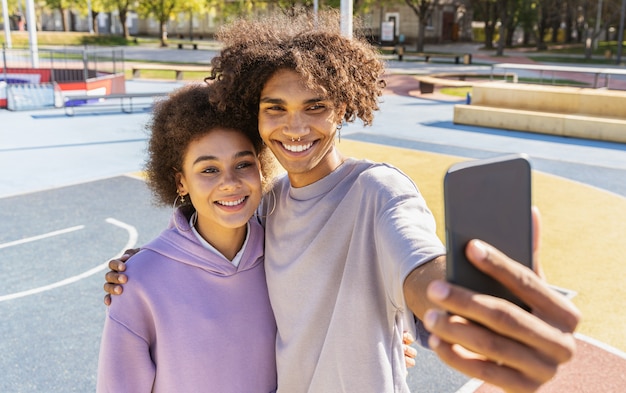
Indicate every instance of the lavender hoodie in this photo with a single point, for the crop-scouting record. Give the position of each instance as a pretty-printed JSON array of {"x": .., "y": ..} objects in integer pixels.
[{"x": 190, "y": 321}]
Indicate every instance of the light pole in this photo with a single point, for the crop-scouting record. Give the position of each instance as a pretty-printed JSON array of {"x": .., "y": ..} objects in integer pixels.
[
  {"x": 346, "y": 18},
  {"x": 7, "y": 24},
  {"x": 89, "y": 17},
  {"x": 596, "y": 31},
  {"x": 620, "y": 39},
  {"x": 32, "y": 33}
]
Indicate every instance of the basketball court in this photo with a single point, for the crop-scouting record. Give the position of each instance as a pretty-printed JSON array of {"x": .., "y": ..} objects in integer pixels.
[{"x": 70, "y": 201}]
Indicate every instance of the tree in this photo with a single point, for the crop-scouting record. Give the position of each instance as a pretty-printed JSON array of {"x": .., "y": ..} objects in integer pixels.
[
  {"x": 122, "y": 7},
  {"x": 62, "y": 6},
  {"x": 527, "y": 18},
  {"x": 485, "y": 10},
  {"x": 162, "y": 11},
  {"x": 423, "y": 9},
  {"x": 504, "y": 15}
]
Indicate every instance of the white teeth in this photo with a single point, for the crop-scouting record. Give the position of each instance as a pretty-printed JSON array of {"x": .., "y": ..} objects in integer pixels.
[
  {"x": 298, "y": 148},
  {"x": 231, "y": 203}
]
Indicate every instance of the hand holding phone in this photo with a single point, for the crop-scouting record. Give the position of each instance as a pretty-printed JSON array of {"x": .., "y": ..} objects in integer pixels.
[{"x": 488, "y": 200}]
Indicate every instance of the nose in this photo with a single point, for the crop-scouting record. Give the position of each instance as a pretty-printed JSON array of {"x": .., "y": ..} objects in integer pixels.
[
  {"x": 296, "y": 127},
  {"x": 230, "y": 180}
]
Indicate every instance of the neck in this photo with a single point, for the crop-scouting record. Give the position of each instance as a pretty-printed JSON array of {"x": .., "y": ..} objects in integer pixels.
[
  {"x": 227, "y": 241},
  {"x": 325, "y": 167}
]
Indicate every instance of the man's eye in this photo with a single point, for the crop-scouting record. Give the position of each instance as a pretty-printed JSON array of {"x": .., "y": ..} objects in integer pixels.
[{"x": 244, "y": 165}]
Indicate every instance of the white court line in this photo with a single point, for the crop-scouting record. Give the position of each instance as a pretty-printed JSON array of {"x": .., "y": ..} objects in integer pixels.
[
  {"x": 601, "y": 345},
  {"x": 132, "y": 240},
  {"x": 470, "y": 386},
  {"x": 473, "y": 384},
  {"x": 39, "y": 237}
]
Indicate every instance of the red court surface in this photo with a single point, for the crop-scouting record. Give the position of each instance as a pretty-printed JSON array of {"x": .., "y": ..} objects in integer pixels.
[{"x": 594, "y": 369}]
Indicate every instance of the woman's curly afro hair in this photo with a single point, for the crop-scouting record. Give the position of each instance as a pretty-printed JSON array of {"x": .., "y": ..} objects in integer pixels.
[{"x": 346, "y": 70}]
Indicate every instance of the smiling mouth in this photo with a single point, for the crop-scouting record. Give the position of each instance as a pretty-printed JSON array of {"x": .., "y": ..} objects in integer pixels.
[
  {"x": 231, "y": 203},
  {"x": 297, "y": 148}
]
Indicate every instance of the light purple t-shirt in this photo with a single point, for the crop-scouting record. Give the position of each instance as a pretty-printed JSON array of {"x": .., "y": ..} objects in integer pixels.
[{"x": 337, "y": 253}]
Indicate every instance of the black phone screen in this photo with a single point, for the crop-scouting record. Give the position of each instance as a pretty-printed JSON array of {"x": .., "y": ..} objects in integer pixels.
[{"x": 488, "y": 200}]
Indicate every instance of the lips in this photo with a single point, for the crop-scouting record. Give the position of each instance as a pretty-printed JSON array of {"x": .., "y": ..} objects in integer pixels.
[
  {"x": 297, "y": 148},
  {"x": 231, "y": 203}
]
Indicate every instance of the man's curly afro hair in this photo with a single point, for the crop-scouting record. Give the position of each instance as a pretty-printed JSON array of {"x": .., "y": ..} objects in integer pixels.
[{"x": 346, "y": 70}]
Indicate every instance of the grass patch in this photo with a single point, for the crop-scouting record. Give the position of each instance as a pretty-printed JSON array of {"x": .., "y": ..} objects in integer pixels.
[
  {"x": 19, "y": 39},
  {"x": 168, "y": 75},
  {"x": 572, "y": 60},
  {"x": 463, "y": 91},
  {"x": 456, "y": 91},
  {"x": 549, "y": 81}
]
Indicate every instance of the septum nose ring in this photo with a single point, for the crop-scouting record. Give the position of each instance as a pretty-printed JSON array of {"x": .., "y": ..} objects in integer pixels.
[{"x": 293, "y": 140}]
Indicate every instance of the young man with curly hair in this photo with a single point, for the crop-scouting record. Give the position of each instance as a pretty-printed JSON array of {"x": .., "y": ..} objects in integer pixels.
[{"x": 352, "y": 258}]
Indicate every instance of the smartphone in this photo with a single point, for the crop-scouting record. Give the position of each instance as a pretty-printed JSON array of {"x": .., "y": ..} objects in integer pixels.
[{"x": 489, "y": 200}]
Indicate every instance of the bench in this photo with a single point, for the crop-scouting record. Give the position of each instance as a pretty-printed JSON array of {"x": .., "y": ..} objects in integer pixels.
[
  {"x": 179, "y": 69},
  {"x": 576, "y": 112},
  {"x": 396, "y": 50},
  {"x": 467, "y": 57},
  {"x": 193, "y": 45},
  {"x": 124, "y": 101},
  {"x": 428, "y": 82}
]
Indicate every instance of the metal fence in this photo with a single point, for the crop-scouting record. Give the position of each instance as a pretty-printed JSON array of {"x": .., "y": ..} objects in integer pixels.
[{"x": 67, "y": 64}]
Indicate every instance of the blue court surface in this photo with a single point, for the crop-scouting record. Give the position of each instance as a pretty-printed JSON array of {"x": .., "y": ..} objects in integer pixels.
[{"x": 68, "y": 205}]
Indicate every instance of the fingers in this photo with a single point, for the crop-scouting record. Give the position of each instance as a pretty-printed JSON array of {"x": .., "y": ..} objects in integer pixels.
[
  {"x": 129, "y": 253},
  {"x": 530, "y": 288},
  {"x": 491, "y": 339},
  {"x": 113, "y": 289},
  {"x": 118, "y": 265},
  {"x": 407, "y": 338},
  {"x": 410, "y": 353},
  {"x": 530, "y": 355},
  {"x": 475, "y": 366},
  {"x": 409, "y": 356},
  {"x": 536, "y": 218},
  {"x": 113, "y": 277},
  {"x": 107, "y": 300}
]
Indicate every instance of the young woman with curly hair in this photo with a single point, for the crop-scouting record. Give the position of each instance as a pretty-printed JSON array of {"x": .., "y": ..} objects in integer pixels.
[
  {"x": 216, "y": 329},
  {"x": 352, "y": 258}
]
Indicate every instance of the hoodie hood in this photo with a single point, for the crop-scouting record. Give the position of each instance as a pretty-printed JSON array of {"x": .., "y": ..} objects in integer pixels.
[{"x": 179, "y": 243}]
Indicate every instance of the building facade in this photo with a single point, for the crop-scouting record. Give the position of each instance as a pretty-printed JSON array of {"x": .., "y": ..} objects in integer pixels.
[{"x": 450, "y": 21}]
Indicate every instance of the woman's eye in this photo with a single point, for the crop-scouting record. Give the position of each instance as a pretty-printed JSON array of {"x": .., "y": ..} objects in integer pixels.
[
  {"x": 210, "y": 170},
  {"x": 317, "y": 107},
  {"x": 244, "y": 165}
]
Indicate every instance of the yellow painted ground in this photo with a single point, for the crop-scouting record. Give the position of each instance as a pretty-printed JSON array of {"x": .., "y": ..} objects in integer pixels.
[{"x": 583, "y": 236}]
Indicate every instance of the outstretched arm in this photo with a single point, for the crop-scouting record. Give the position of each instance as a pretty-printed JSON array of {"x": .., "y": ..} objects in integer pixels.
[{"x": 487, "y": 337}]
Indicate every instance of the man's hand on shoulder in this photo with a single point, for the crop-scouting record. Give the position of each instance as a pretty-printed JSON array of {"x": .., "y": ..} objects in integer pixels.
[{"x": 115, "y": 277}]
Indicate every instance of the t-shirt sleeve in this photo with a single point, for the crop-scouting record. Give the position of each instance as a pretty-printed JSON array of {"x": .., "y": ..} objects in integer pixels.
[{"x": 405, "y": 234}]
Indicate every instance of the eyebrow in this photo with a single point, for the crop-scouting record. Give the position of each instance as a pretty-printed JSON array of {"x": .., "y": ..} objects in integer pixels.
[
  {"x": 245, "y": 153},
  {"x": 269, "y": 100}
]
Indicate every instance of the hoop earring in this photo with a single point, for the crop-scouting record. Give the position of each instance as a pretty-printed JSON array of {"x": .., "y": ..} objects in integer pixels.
[
  {"x": 182, "y": 200},
  {"x": 194, "y": 216},
  {"x": 273, "y": 206}
]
